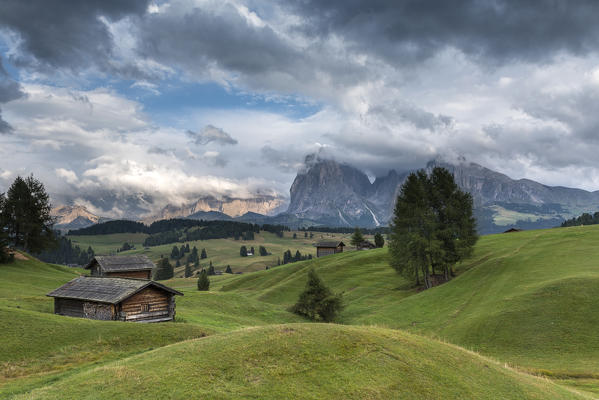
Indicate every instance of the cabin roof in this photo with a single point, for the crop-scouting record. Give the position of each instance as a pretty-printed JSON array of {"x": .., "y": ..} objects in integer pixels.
[
  {"x": 513, "y": 230},
  {"x": 329, "y": 243},
  {"x": 122, "y": 263},
  {"x": 105, "y": 289}
]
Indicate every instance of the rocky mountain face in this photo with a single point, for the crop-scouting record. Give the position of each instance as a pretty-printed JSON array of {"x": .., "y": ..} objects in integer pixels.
[
  {"x": 73, "y": 217},
  {"x": 232, "y": 207},
  {"x": 340, "y": 195}
]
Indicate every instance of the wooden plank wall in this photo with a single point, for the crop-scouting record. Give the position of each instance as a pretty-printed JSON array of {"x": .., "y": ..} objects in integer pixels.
[
  {"x": 325, "y": 251},
  {"x": 150, "y": 303},
  {"x": 72, "y": 308},
  {"x": 130, "y": 274}
]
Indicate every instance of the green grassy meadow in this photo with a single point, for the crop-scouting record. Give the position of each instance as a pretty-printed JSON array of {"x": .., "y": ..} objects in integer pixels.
[
  {"x": 221, "y": 252},
  {"x": 523, "y": 305},
  {"x": 307, "y": 361}
]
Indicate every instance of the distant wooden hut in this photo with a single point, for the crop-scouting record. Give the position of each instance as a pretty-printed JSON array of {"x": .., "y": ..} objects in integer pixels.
[
  {"x": 366, "y": 245},
  {"x": 513, "y": 230},
  {"x": 121, "y": 299},
  {"x": 121, "y": 266},
  {"x": 325, "y": 248}
]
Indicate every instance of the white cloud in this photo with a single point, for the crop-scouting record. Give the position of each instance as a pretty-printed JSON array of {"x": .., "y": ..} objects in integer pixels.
[{"x": 68, "y": 175}]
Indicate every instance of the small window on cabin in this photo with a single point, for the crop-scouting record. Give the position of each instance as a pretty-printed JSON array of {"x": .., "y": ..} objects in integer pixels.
[{"x": 145, "y": 307}]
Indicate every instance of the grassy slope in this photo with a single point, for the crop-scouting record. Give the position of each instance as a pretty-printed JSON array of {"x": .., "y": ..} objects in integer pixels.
[
  {"x": 529, "y": 298},
  {"x": 309, "y": 361},
  {"x": 221, "y": 252},
  {"x": 35, "y": 341}
]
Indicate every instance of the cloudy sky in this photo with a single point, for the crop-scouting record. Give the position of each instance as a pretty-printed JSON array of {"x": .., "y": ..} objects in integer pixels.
[{"x": 130, "y": 105}]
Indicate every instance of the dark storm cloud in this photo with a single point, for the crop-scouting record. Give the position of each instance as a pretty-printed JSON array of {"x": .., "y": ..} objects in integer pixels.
[
  {"x": 221, "y": 39},
  {"x": 64, "y": 33},
  {"x": 9, "y": 90},
  {"x": 412, "y": 30}
]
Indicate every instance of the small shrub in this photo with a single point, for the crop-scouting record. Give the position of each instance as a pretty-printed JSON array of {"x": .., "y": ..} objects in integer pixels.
[
  {"x": 317, "y": 302},
  {"x": 203, "y": 281}
]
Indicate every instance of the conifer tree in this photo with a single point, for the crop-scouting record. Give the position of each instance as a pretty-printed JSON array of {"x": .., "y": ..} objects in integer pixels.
[
  {"x": 187, "y": 270},
  {"x": 379, "y": 241},
  {"x": 317, "y": 302},
  {"x": 175, "y": 253},
  {"x": 433, "y": 226},
  {"x": 203, "y": 281},
  {"x": 25, "y": 214},
  {"x": 357, "y": 238},
  {"x": 243, "y": 251},
  {"x": 262, "y": 251},
  {"x": 203, "y": 254},
  {"x": 228, "y": 270},
  {"x": 164, "y": 270}
]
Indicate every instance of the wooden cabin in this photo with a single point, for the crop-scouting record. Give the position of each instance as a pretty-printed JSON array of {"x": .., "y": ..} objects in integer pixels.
[
  {"x": 366, "y": 245},
  {"x": 121, "y": 266},
  {"x": 121, "y": 299},
  {"x": 325, "y": 248},
  {"x": 513, "y": 230}
]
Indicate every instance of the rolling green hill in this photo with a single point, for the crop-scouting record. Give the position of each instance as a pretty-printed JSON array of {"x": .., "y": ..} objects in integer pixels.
[
  {"x": 528, "y": 299},
  {"x": 308, "y": 361}
]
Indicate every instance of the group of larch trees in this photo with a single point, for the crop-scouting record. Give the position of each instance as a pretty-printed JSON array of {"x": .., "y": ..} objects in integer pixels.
[{"x": 433, "y": 227}]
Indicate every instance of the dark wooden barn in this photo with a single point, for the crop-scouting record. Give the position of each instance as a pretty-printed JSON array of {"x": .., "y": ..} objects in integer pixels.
[
  {"x": 122, "y": 299},
  {"x": 511, "y": 230},
  {"x": 121, "y": 266},
  {"x": 366, "y": 245},
  {"x": 325, "y": 248}
]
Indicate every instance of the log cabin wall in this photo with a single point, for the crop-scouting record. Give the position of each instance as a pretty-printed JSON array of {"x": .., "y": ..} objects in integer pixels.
[
  {"x": 325, "y": 251},
  {"x": 130, "y": 274},
  {"x": 84, "y": 309},
  {"x": 101, "y": 311},
  {"x": 149, "y": 304},
  {"x": 70, "y": 307}
]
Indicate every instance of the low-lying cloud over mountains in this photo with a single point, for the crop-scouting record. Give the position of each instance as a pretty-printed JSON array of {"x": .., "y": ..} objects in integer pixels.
[{"x": 129, "y": 106}]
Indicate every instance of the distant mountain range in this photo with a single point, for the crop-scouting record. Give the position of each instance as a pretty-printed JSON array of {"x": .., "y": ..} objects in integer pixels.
[
  {"x": 337, "y": 194},
  {"x": 74, "y": 217},
  {"x": 340, "y": 195},
  {"x": 231, "y": 207}
]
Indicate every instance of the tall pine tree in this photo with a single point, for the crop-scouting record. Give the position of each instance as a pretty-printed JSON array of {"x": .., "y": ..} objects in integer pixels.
[
  {"x": 25, "y": 215},
  {"x": 432, "y": 228}
]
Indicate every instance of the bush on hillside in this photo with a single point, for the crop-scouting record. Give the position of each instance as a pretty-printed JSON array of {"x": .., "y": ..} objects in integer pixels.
[
  {"x": 203, "y": 281},
  {"x": 317, "y": 302}
]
